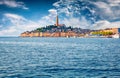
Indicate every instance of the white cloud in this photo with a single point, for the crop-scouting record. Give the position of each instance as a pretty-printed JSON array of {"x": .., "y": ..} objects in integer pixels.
[
  {"x": 13, "y": 4},
  {"x": 15, "y": 19},
  {"x": 105, "y": 10},
  {"x": 71, "y": 21},
  {"x": 66, "y": 7},
  {"x": 66, "y": 11},
  {"x": 109, "y": 10},
  {"x": 8, "y": 32},
  {"x": 71, "y": 8},
  {"x": 18, "y": 24},
  {"x": 52, "y": 11},
  {"x": 50, "y": 18},
  {"x": 103, "y": 24},
  {"x": 56, "y": 4},
  {"x": 14, "y": 16},
  {"x": 104, "y": 6},
  {"x": 76, "y": 22},
  {"x": 114, "y": 2}
]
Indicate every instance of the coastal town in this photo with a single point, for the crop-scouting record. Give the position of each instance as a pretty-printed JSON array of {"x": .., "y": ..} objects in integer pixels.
[{"x": 61, "y": 30}]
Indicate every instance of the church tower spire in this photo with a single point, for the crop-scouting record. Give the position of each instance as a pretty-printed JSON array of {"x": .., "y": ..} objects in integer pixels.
[{"x": 57, "y": 21}]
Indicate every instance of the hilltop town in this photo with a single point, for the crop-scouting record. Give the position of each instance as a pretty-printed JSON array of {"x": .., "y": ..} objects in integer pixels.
[{"x": 61, "y": 30}]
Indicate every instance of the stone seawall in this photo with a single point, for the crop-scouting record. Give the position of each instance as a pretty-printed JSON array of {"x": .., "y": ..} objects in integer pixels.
[{"x": 54, "y": 34}]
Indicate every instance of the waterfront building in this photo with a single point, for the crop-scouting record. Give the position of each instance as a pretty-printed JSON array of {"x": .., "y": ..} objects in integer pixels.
[
  {"x": 25, "y": 34},
  {"x": 113, "y": 30}
]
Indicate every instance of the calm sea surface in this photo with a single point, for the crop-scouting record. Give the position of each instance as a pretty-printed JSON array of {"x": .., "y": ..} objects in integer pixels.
[{"x": 59, "y": 58}]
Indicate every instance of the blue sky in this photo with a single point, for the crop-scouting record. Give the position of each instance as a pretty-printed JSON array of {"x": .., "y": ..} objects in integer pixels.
[
  {"x": 30, "y": 9},
  {"x": 17, "y": 16}
]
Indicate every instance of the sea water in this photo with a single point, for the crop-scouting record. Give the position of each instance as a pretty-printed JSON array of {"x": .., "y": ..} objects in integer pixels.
[{"x": 59, "y": 57}]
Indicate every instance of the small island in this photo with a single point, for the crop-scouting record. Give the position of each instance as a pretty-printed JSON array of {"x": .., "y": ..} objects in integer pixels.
[{"x": 61, "y": 30}]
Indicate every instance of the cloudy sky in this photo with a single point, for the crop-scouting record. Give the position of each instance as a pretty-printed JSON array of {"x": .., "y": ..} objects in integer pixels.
[{"x": 17, "y": 16}]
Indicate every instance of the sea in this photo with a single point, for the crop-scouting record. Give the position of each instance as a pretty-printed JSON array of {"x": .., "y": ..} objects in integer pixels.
[{"x": 59, "y": 57}]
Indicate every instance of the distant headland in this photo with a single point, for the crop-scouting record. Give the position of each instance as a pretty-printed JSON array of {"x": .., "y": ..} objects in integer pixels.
[{"x": 61, "y": 30}]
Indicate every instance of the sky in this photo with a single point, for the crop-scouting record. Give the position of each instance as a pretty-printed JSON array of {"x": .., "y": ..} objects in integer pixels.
[{"x": 17, "y": 16}]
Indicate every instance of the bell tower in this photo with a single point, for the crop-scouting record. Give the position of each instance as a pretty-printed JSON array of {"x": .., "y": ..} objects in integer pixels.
[{"x": 57, "y": 21}]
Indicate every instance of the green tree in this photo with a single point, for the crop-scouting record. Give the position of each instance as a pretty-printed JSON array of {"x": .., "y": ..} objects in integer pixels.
[{"x": 39, "y": 29}]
